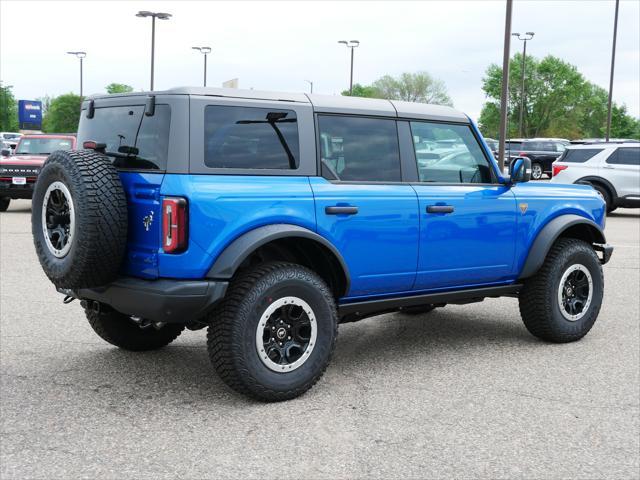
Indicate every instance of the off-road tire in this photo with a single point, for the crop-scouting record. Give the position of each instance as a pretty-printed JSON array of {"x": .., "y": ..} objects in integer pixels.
[
  {"x": 4, "y": 203},
  {"x": 231, "y": 338},
  {"x": 538, "y": 299},
  {"x": 119, "y": 330},
  {"x": 100, "y": 233}
]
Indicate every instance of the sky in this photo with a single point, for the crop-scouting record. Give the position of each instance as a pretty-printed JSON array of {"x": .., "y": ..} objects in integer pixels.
[{"x": 275, "y": 45}]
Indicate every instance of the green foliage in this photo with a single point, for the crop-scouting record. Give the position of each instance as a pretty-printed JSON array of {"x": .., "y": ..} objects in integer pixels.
[
  {"x": 8, "y": 110},
  {"x": 559, "y": 102},
  {"x": 361, "y": 91},
  {"x": 412, "y": 87},
  {"x": 118, "y": 88},
  {"x": 63, "y": 114}
]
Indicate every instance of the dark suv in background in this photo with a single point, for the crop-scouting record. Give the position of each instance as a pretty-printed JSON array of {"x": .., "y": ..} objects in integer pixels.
[{"x": 542, "y": 152}]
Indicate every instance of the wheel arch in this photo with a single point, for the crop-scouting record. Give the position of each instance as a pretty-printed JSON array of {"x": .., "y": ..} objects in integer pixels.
[
  {"x": 565, "y": 226},
  {"x": 590, "y": 179},
  {"x": 285, "y": 242}
]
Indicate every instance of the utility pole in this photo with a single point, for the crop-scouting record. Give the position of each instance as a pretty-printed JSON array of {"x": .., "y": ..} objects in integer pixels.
[
  {"x": 613, "y": 63},
  {"x": 525, "y": 38},
  {"x": 204, "y": 51},
  {"x": 350, "y": 44},
  {"x": 504, "y": 96},
  {"x": 79, "y": 55},
  {"x": 153, "y": 15}
]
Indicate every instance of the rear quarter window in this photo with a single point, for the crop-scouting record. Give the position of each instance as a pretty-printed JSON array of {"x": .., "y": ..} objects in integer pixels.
[
  {"x": 250, "y": 138},
  {"x": 579, "y": 155}
]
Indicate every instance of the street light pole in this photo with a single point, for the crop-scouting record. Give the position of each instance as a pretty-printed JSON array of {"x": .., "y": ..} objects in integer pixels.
[
  {"x": 153, "y": 15},
  {"x": 505, "y": 85},
  {"x": 525, "y": 38},
  {"x": 310, "y": 84},
  {"x": 350, "y": 44},
  {"x": 205, "y": 51},
  {"x": 613, "y": 63},
  {"x": 79, "y": 55}
]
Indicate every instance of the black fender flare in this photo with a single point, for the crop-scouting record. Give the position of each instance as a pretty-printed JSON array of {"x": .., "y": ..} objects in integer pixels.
[
  {"x": 592, "y": 178},
  {"x": 238, "y": 250},
  {"x": 550, "y": 233}
]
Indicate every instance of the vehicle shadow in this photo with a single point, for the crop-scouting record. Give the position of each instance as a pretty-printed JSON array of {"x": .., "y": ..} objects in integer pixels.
[
  {"x": 182, "y": 374},
  {"x": 625, "y": 213}
]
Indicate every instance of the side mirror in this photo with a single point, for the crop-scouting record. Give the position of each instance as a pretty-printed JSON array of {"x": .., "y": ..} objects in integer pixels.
[
  {"x": 6, "y": 152},
  {"x": 520, "y": 170}
]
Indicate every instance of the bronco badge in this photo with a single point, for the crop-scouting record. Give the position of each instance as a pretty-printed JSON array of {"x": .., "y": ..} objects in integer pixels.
[
  {"x": 147, "y": 221},
  {"x": 523, "y": 208}
]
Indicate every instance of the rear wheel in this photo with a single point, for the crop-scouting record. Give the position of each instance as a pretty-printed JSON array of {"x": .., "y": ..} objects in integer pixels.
[
  {"x": 4, "y": 203},
  {"x": 605, "y": 195},
  {"x": 561, "y": 302},
  {"x": 274, "y": 334},
  {"x": 536, "y": 171},
  {"x": 120, "y": 330}
]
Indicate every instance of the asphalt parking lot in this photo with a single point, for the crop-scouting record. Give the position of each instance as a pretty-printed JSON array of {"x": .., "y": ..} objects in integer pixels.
[{"x": 464, "y": 391}]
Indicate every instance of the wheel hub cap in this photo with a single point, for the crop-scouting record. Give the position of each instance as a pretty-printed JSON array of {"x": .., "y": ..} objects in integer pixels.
[
  {"x": 286, "y": 334},
  {"x": 58, "y": 219},
  {"x": 575, "y": 292}
]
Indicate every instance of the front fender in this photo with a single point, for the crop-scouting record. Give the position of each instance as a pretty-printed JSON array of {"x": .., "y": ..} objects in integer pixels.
[{"x": 550, "y": 233}]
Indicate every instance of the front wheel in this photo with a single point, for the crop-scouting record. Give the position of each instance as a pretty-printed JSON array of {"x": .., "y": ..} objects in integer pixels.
[
  {"x": 561, "y": 302},
  {"x": 4, "y": 203},
  {"x": 274, "y": 334}
]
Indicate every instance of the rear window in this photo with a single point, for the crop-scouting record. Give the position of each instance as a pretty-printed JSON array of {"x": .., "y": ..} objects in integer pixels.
[
  {"x": 127, "y": 126},
  {"x": 625, "y": 156},
  {"x": 578, "y": 155},
  {"x": 43, "y": 146},
  {"x": 250, "y": 137}
]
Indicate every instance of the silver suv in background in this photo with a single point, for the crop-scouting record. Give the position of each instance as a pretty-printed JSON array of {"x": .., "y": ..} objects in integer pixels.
[{"x": 612, "y": 169}]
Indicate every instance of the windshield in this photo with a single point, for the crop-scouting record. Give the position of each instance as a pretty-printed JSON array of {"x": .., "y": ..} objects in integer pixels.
[
  {"x": 128, "y": 126},
  {"x": 43, "y": 146}
]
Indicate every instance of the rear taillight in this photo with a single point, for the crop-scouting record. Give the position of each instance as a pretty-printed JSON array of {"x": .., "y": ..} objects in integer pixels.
[
  {"x": 522, "y": 154},
  {"x": 557, "y": 169},
  {"x": 174, "y": 224}
]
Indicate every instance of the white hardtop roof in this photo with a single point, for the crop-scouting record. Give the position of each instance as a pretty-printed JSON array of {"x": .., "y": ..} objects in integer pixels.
[
  {"x": 322, "y": 103},
  {"x": 603, "y": 144}
]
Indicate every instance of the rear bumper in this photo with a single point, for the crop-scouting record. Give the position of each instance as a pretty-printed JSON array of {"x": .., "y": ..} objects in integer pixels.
[{"x": 171, "y": 301}]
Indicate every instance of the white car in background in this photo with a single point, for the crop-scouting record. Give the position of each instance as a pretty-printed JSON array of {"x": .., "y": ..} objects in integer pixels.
[{"x": 613, "y": 169}]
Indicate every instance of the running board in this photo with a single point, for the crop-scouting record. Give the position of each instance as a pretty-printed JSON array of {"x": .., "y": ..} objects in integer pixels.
[{"x": 370, "y": 307}]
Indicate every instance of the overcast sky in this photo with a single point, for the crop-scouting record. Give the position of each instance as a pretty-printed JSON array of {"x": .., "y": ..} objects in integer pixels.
[{"x": 273, "y": 45}]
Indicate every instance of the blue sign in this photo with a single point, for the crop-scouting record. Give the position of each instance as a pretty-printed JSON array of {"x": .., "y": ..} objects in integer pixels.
[{"x": 30, "y": 115}]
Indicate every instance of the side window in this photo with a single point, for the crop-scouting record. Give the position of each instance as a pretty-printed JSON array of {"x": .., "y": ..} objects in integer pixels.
[
  {"x": 449, "y": 154},
  {"x": 249, "y": 137},
  {"x": 578, "y": 155},
  {"x": 359, "y": 149},
  {"x": 625, "y": 156}
]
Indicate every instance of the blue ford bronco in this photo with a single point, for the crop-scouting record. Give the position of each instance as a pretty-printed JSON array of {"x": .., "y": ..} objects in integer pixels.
[{"x": 270, "y": 218}]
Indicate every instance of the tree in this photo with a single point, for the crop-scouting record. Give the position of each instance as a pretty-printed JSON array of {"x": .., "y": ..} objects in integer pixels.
[
  {"x": 413, "y": 87},
  {"x": 559, "y": 101},
  {"x": 361, "y": 91},
  {"x": 46, "y": 103},
  {"x": 8, "y": 110},
  {"x": 118, "y": 88},
  {"x": 63, "y": 114}
]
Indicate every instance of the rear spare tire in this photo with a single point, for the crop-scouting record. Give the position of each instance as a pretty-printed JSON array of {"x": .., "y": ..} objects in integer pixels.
[{"x": 79, "y": 219}]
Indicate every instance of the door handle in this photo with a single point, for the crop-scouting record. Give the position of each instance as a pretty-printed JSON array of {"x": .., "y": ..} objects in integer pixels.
[
  {"x": 439, "y": 209},
  {"x": 609, "y": 166},
  {"x": 341, "y": 210}
]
